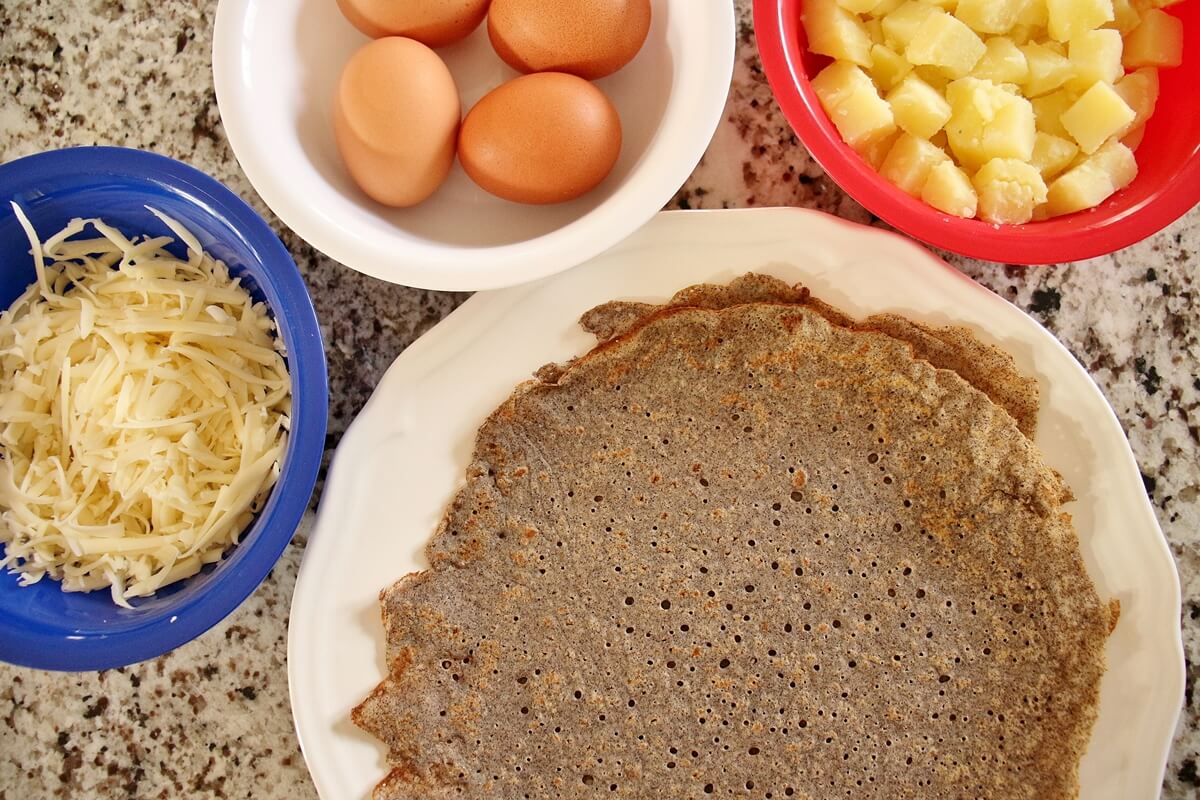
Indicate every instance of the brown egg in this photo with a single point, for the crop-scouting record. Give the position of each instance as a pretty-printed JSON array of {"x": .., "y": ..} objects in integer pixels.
[
  {"x": 396, "y": 114},
  {"x": 432, "y": 22},
  {"x": 588, "y": 38},
  {"x": 541, "y": 138}
]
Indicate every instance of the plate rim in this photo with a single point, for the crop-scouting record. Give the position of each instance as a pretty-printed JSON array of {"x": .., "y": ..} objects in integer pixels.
[
  {"x": 461, "y": 268},
  {"x": 484, "y": 302}
]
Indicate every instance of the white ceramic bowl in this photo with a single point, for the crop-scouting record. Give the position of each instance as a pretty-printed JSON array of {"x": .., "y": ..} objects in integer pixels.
[{"x": 276, "y": 63}]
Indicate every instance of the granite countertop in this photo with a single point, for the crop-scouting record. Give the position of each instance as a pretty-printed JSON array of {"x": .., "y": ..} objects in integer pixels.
[{"x": 212, "y": 718}]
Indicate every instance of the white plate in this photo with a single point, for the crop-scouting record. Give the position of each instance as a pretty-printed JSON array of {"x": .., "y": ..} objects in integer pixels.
[
  {"x": 405, "y": 456},
  {"x": 275, "y": 66}
]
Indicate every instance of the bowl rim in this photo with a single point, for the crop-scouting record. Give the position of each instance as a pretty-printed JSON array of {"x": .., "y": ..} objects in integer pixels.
[
  {"x": 775, "y": 20},
  {"x": 166, "y": 628},
  {"x": 679, "y": 146}
]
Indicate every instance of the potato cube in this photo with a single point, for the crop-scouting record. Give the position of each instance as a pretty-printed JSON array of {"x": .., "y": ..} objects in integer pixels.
[
  {"x": 988, "y": 122},
  {"x": 887, "y": 66},
  {"x": 875, "y": 31},
  {"x": 1047, "y": 69},
  {"x": 1048, "y": 110},
  {"x": 876, "y": 151},
  {"x": 933, "y": 76},
  {"x": 1095, "y": 56},
  {"x": 1139, "y": 90},
  {"x": 1126, "y": 16},
  {"x": 945, "y": 42},
  {"x": 1098, "y": 114},
  {"x": 1133, "y": 139},
  {"x": 901, "y": 25},
  {"x": 1108, "y": 170},
  {"x": 1069, "y": 18},
  {"x": 1008, "y": 191},
  {"x": 1003, "y": 62},
  {"x": 837, "y": 82},
  {"x": 909, "y": 162},
  {"x": 945, "y": 5},
  {"x": 949, "y": 190},
  {"x": 989, "y": 16},
  {"x": 885, "y": 7},
  {"x": 1052, "y": 154},
  {"x": 835, "y": 32},
  {"x": 1024, "y": 34},
  {"x": 853, "y": 103},
  {"x": 858, "y": 6},
  {"x": 1156, "y": 42},
  {"x": 1033, "y": 14},
  {"x": 918, "y": 107}
]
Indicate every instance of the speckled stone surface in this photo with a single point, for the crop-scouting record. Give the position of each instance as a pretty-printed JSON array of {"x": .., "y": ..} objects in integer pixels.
[{"x": 212, "y": 718}]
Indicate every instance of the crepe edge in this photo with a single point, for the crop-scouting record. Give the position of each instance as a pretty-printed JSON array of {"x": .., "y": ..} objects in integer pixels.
[{"x": 986, "y": 367}]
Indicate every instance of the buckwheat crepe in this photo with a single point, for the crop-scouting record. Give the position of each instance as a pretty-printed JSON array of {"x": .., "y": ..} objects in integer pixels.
[{"x": 749, "y": 547}]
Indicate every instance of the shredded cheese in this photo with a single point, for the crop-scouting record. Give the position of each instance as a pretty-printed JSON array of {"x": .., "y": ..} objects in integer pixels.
[{"x": 144, "y": 409}]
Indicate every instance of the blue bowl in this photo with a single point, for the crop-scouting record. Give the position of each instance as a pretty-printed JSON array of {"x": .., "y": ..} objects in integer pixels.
[{"x": 41, "y": 625}]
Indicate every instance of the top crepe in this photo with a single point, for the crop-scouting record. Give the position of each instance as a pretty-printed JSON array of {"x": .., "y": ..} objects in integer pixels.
[{"x": 746, "y": 547}]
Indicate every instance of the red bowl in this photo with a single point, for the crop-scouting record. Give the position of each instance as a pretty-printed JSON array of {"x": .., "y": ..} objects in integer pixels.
[{"x": 1167, "y": 185}]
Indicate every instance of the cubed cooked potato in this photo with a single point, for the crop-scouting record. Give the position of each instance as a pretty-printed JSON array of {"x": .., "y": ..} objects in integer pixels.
[
  {"x": 989, "y": 16},
  {"x": 835, "y": 32},
  {"x": 1052, "y": 154},
  {"x": 1156, "y": 42},
  {"x": 1139, "y": 90},
  {"x": 1056, "y": 47},
  {"x": 949, "y": 190},
  {"x": 988, "y": 122},
  {"x": 1024, "y": 34},
  {"x": 1048, "y": 110},
  {"x": 945, "y": 42},
  {"x": 909, "y": 162},
  {"x": 918, "y": 108},
  {"x": 1002, "y": 62},
  {"x": 888, "y": 67},
  {"x": 1007, "y": 109},
  {"x": 886, "y": 7},
  {"x": 1069, "y": 18},
  {"x": 1009, "y": 189},
  {"x": 853, "y": 103},
  {"x": 876, "y": 151},
  {"x": 1033, "y": 15},
  {"x": 1133, "y": 139},
  {"x": 875, "y": 31},
  {"x": 933, "y": 76},
  {"x": 900, "y": 25},
  {"x": 1094, "y": 56},
  {"x": 1108, "y": 170},
  {"x": 1047, "y": 69},
  {"x": 837, "y": 82},
  {"x": 858, "y": 6},
  {"x": 1126, "y": 16},
  {"x": 1098, "y": 114}
]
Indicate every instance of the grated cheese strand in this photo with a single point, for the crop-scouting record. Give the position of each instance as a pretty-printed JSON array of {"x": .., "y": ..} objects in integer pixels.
[{"x": 144, "y": 409}]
